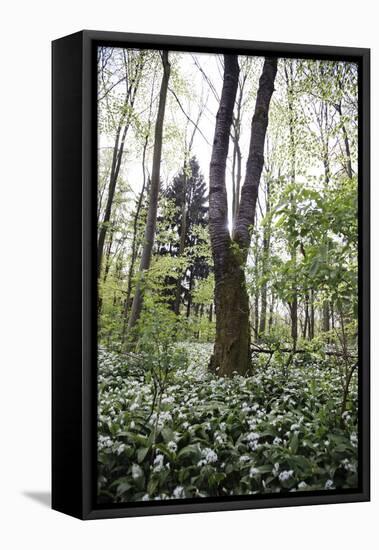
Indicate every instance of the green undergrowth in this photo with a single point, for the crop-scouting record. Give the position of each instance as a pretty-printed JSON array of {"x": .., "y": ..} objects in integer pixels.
[{"x": 179, "y": 431}]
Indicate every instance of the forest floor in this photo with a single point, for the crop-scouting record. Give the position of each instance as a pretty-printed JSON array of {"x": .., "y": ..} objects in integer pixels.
[{"x": 279, "y": 430}]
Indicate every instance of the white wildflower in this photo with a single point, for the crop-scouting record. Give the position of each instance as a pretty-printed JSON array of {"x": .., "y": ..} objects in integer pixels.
[
  {"x": 121, "y": 448},
  {"x": 285, "y": 475},
  {"x": 277, "y": 441},
  {"x": 329, "y": 484},
  {"x": 209, "y": 455},
  {"x": 346, "y": 417},
  {"x": 136, "y": 471},
  {"x": 178, "y": 492},
  {"x": 158, "y": 463},
  {"x": 354, "y": 439},
  {"x": 172, "y": 446},
  {"x": 252, "y": 436},
  {"x": 348, "y": 466}
]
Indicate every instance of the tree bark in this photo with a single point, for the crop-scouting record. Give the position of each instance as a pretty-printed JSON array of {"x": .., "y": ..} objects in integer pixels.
[
  {"x": 154, "y": 192},
  {"x": 293, "y": 305},
  {"x": 266, "y": 255},
  {"x": 232, "y": 343}
]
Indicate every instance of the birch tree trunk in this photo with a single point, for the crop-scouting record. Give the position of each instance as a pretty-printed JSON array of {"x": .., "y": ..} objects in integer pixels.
[{"x": 154, "y": 192}]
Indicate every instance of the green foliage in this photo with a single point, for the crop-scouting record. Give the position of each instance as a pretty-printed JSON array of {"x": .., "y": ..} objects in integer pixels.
[{"x": 213, "y": 436}]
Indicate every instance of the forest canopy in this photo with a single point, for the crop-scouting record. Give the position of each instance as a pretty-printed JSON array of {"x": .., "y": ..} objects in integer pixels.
[{"x": 227, "y": 274}]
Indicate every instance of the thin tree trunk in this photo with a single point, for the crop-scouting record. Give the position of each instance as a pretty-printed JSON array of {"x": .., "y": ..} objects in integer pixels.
[
  {"x": 265, "y": 257},
  {"x": 154, "y": 192},
  {"x": 325, "y": 317},
  {"x": 348, "y": 164},
  {"x": 293, "y": 304},
  {"x": 312, "y": 320},
  {"x": 271, "y": 317},
  {"x": 182, "y": 241},
  {"x": 189, "y": 302},
  {"x": 210, "y": 314},
  {"x": 118, "y": 152}
]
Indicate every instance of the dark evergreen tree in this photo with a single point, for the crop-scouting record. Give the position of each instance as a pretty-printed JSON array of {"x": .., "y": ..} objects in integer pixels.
[{"x": 188, "y": 192}]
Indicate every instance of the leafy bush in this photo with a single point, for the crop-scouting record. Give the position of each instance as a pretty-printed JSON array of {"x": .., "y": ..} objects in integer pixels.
[{"x": 210, "y": 436}]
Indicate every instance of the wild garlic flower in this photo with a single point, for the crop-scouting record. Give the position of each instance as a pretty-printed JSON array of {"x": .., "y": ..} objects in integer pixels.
[
  {"x": 354, "y": 439},
  {"x": 158, "y": 463},
  {"x": 172, "y": 446},
  {"x": 136, "y": 471},
  {"x": 178, "y": 492},
  {"x": 285, "y": 475}
]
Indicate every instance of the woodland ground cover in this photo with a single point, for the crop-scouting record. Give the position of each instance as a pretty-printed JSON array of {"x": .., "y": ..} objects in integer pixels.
[
  {"x": 276, "y": 430},
  {"x": 227, "y": 255}
]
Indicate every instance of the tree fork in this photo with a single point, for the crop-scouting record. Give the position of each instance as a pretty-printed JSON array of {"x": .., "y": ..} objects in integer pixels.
[{"x": 232, "y": 343}]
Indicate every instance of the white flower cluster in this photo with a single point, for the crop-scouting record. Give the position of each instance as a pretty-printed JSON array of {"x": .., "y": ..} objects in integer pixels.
[
  {"x": 163, "y": 418},
  {"x": 346, "y": 416},
  {"x": 178, "y": 492},
  {"x": 354, "y": 439},
  {"x": 172, "y": 446},
  {"x": 158, "y": 463},
  {"x": 104, "y": 441},
  {"x": 136, "y": 471},
  {"x": 329, "y": 484},
  {"x": 285, "y": 475},
  {"x": 209, "y": 457},
  {"x": 349, "y": 467},
  {"x": 252, "y": 436}
]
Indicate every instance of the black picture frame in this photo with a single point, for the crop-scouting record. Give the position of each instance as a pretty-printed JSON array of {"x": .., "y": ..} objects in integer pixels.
[{"x": 74, "y": 337}]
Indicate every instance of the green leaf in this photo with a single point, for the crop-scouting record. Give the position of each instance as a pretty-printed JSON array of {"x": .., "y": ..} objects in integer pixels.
[
  {"x": 294, "y": 443},
  {"x": 141, "y": 454}
]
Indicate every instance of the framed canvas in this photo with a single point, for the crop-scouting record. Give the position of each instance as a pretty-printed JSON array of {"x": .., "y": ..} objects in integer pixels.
[{"x": 210, "y": 275}]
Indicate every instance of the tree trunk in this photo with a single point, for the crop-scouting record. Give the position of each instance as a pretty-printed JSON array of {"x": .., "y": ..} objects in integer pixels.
[
  {"x": 271, "y": 317},
  {"x": 154, "y": 192},
  {"x": 348, "y": 164},
  {"x": 118, "y": 151},
  {"x": 182, "y": 242},
  {"x": 325, "y": 317},
  {"x": 232, "y": 344},
  {"x": 290, "y": 99},
  {"x": 312, "y": 319},
  {"x": 210, "y": 314},
  {"x": 265, "y": 267},
  {"x": 189, "y": 302}
]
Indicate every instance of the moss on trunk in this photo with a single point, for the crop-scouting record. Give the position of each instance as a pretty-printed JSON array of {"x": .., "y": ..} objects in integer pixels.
[{"x": 232, "y": 344}]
